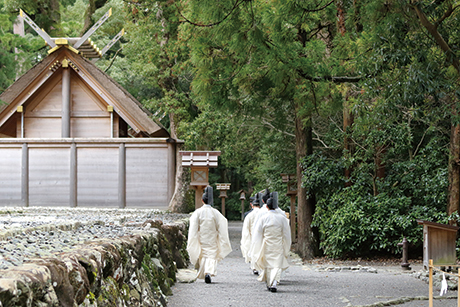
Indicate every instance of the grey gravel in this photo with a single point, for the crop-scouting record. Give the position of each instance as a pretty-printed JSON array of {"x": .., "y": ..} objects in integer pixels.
[{"x": 33, "y": 232}]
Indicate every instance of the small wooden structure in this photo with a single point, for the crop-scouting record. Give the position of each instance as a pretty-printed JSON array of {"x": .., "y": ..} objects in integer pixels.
[
  {"x": 199, "y": 162},
  {"x": 71, "y": 136},
  {"x": 223, "y": 188},
  {"x": 439, "y": 242},
  {"x": 291, "y": 181}
]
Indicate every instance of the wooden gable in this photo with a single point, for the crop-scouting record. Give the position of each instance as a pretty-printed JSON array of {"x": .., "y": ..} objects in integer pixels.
[{"x": 93, "y": 96}]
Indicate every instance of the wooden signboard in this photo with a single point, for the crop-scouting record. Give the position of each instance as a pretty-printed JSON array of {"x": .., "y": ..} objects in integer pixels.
[{"x": 439, "y": 242}]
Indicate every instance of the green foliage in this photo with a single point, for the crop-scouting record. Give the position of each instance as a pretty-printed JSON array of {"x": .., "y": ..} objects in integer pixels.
[
  {"x": 45, "y": 13},
  {"x": 355, "y": 222},
  {"x": 72, "y": 15},
  {"x": 356, "y": 225},
  {"x": 233, "y": 206}
]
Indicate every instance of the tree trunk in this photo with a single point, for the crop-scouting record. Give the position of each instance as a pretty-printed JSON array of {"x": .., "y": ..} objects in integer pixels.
[
  {"x": 308, "y": 238},
  {"x": 379, "y": 173},
  {"x": 454, "y": 170},
  {"x": 177, "y": 202}
]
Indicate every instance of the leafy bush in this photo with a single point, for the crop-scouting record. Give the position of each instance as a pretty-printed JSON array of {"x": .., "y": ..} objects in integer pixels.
[
  {"x": 354, "y": 225},
  {"x": 354, "y": 222}
]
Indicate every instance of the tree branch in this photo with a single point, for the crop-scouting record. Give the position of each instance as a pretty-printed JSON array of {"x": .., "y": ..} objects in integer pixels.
[
  {"x": 319, "y": 9},
  {"x": 447, "y": 14},
  {"x": 113, "y": 60},
  {"x": 319, "y": 139},
  {"x": 331, "y": 78},
  {"x": 265, "y": 122},
  {"x": 237, "y": 3},
  {"x": 432, "y": 29}
]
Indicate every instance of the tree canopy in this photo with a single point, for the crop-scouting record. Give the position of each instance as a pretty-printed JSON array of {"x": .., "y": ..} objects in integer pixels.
[{"x": 358, "y": 98}]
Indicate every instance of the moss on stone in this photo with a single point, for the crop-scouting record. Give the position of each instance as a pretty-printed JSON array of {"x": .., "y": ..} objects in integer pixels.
[{"x": 136, "y": 270}]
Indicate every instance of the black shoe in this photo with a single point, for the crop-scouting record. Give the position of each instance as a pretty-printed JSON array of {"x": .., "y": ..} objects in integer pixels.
[
  {"x": 255, "y": 272},
  {"x": 207, "y": 279},
  {"x": 272, "y": 289}
]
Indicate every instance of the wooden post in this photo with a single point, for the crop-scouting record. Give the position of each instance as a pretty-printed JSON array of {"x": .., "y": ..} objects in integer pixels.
[
  {"x": 223, "y": 206},
  {"x": 430, "y": 287},
  {"x": 243, "y": 198},
  {"x": 199, "y": 190},
  {"x": 25, "y": 176},
  {"x": 290, "y": 180},
  {"x": 65, "y": 103},
  {"x": 223, "y": 187},
  {"x": 122, "y": 176},
  {"x": 73, "y": 175},
  {"x": 21, "y": 110},
  {"x": 292, "y": 219}
]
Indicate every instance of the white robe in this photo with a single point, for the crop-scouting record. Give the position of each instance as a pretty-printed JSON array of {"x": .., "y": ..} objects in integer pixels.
[
  {"x": 246, "y": 233},
  {"x": 257, "y": 216},
  {"x": 271, "y": 245},
  {"x": 208, "y": 241}
]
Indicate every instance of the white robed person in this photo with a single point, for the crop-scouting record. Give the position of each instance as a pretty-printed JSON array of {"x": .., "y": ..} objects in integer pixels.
[
  {"x": 246, "y": 233},
  {"x": 208, "y": 241},
  {"x": 271, "y": 245}
]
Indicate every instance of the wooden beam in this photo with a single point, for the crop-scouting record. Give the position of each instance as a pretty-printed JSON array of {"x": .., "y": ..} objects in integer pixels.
[
  {"x": 93, "y": 29},
  {"x": 112, "y": 42},
  {"x": 122, "y": 176},
  {"x": 25, "y": 176},
  {"x": 39, "y": 31},
  {"x": 65, "y": 131},
  {"x": 73, "y": 176}
]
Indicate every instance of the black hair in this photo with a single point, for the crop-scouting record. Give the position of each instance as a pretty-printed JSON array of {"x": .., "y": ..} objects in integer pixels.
[
  {"x": 271, "y": 204},
  {"x": 266, "y": 195}
]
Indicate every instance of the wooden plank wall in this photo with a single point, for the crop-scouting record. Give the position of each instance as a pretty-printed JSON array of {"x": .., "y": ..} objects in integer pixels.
[
  {"x": 142, "y": 167},
  {"x": 49, "y": 176},
  {"x": 98, "y": 175},
  {"x": 10, "y": 176}
]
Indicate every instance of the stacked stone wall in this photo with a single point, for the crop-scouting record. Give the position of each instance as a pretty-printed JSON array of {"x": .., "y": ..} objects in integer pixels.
[{"x": 134, "y": 270}]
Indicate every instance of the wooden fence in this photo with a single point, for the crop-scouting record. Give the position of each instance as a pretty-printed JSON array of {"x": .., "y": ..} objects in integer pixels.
[{"x": 119, "y": 172}]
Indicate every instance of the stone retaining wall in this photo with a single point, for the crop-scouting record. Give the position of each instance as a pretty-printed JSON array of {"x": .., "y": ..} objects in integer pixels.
[{"x": 135, "y": 270}]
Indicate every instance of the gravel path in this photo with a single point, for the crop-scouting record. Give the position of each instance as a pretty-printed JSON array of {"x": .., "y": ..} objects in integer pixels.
[{"x": 305, "y": 285}]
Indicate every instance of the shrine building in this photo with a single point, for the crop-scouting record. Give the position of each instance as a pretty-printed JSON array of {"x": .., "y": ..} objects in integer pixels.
[{"x": 71, "y": 136}]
